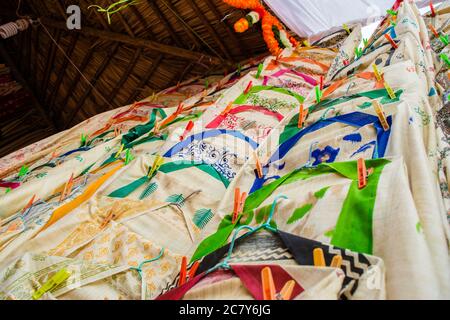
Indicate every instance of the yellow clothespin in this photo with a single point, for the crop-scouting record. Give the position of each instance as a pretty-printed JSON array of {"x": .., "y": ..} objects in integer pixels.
[
  {"x": 346, "y": 28},
  {"x": 59, "y": 277},
  {"x": 227, "y": 109},
  {"x": 319, "y": 258},
  {"x": 120, "y": 151},
  {"x": 259, "y": 169},
  {"x": 377, "y": 73},
  {"x": 156, "y": 165},
  {"x": 336, "y": 262},
  {"x": 156, "y": 128},
  {"x": 381, "y": 115},
  {"x": 390, "y": 90},
  {"x": 306, "y": 43}
]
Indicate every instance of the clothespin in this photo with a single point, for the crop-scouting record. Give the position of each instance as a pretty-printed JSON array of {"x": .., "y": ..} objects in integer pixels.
[
  {"x": 365, "y": 42},
  {"x": 260, "y": 70},
  {"x": 227, "y": 109},
  {"x": 23, "y": 171},
  {"x": 336, "y": 262},
  {"x": 306, "y": 43},
  {"x": 206, "y": 84},
  {"x": 239, "y": 69},
  {"x": 8, "y": 190},
  {"x": 392, "y": 13},
  {"x": 156, "y": 128},
  {"x": 67, "y": 188},
  {"x": 249, "y": 86},
  {"x": 259, "y": 170},
  {"x": 242, "y": 202},
  {"x": 183, "y": 272},
  {"x": 321, "y": 82},
  {"x": 444, "y": 39},
  {"x": 390, "y": 90},
  {"x": 433, "y": 12},
  {"x": 268, "y": 285},
  {"x": 389, "y": 38},
  {"x": 346, "y": 28},
  {"x": 117, "y": 131},
  {"x": 377, "y": 73},
  {"x": 318, "y": 94},
  {"x": 110, "y": 216},
  {"x": 120, "y": 151},
  {"x": 433, "y": 30},
  {"x": 128, "y": 157},
  {"x": 302, "y": 116},
  {"x": 54, "y": 155},
  {"x": 188, "y": 129},
  {"x": 237, "y": 202},
  {"x": 156, "y": 165},
  {"x": 362, "y": 173},
  {"x": 358, "y": 52},
  {"x": 84, "y": 139},
  {"x": 58, "y": 278},
  {"x": 319, "y": 258},
  {"x": 381, "y": 115},
  {"x": 445, "y": 58},
  {"x": 346, "y": 62},
  {"x": 29, "y": 204},
  {"x": 193, "y": 269}
]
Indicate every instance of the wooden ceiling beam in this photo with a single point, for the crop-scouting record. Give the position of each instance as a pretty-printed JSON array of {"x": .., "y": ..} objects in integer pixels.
[
  {"x": 145, "y": 79},
  {"x": 93, "y": 81},
  {"x": 19, "y": 78},
  {"x": 139, "y": 42},
  {"x": 163, "y": 20},
  {"x": 210, "y": 29},
  {"x": 49, "y": 64}
]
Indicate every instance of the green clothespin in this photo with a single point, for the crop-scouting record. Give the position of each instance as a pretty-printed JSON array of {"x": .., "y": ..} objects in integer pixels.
[
  {"x": 318, "y": 94},
  {"x": 365, "y": 42},
  {"x": 83, "y": 139},
  {"x": 444, "y": 39},
  {"x": 392, "y": 12},
  {"x": 128, "y": 157},
  {"x": 358, "y": 52},
  {"x": 23, "y": 171},
  {"x": 445, "y": 58},
  {"x": 260, "y": 70},
  {"x": 206, "y": 84},
  {"x": 239, "y": 69},
  {"x": 8, "y": 190},
  {"x": 59, "y": 277}
]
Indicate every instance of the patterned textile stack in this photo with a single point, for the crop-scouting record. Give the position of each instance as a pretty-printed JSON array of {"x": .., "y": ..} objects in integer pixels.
[{"x": 324, "y": 169}]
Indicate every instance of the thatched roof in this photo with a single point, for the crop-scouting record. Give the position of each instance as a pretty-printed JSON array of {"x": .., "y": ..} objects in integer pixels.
[{"x": 146, "y": 48}]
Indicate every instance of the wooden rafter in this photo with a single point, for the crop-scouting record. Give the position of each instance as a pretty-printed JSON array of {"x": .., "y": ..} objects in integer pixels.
[
  {"x": 164, "y": 21},
  {"x": 145, "y": 79},
  {"x": 93, "y": 81},
  {"x": 49, "y": 62},
  {"x": 139, "y": 42},
  {"x": 210, "y": 29}
]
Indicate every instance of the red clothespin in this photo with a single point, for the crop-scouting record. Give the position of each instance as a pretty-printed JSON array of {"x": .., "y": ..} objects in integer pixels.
[
  {"x": 302, "y": 116},
  {"x": 433, "y": 12},
  {"x": 183, "y": 272},
  {"x": 227, "y": 109},
  {"x": 188, "y": 129},
  {"x": 389, "y": 38},
  {"x": 67, "y": 188},
  {"x": 259, "y": 169},
  {"x": 346, "y": 62},
  {"x": 362, "y": 173},
  {"x": 30, "y": 203},
  {"x": 193, "y": 269},
  {"x": 321, "y": 82},
  {"x": 433, "y": 30},
  {"x": 249, "y": 86}
]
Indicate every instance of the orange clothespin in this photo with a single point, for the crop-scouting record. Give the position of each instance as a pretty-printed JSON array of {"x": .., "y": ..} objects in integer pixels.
[
  {"x": 110, "y": 216},
  {"x": 433, "y": 12},
  {"x": 286, "y": 292},
  {"x": 381, "y": 115},
  {"x": 54, "y": 155},
  {"x": 249, "y": 86},
  {"x": 319, "y": 258},
  {"x": 336, "y": 262},
  {"x": 67, "y": 188},
  {"x": 183, "y": 272},
  {"x": 188, "y": 129},
  {"x": 237, "y": 201},
  {"x": 30, "y": 203},
  {"x": 302, "y": 116},
  {"x": 259, "y": 169},
  {"x": 389, "y": 38},
  {"x": 193, "y": 269},
  {"x": 242, "y": 202},
  {"x": 227, "y": 109},
  {"x": 433, "y": 30},
  {"x": 117, "y": 131},
  {"x": 268, "y": 285},
  {"x": 362, "y": 173}
]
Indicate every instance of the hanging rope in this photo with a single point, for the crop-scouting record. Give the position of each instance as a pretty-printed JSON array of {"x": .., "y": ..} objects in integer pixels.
[{"x": 110, "y": 10}]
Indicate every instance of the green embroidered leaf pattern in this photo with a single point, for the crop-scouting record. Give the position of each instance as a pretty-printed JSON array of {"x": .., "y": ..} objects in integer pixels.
[
  {"x": 202, "y": 217},
  {"x": 299, "y": 213},
  {"x": 262, "y": 214},
  {"x": 177, "y": 199},
  {"x": 79, "y": 158},
  {"x": 419, "y": 227},
  {"x": 321, "y": 193},
  {"x": 41, "y": 175},
  {"x": 365, "y": 105},
  {"x": 152, "y": 187}
]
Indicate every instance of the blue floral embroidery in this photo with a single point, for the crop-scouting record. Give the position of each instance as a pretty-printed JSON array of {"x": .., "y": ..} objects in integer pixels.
[
  {"x": 329, "y": 152},
  {"x": 200, "y": 151}
]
